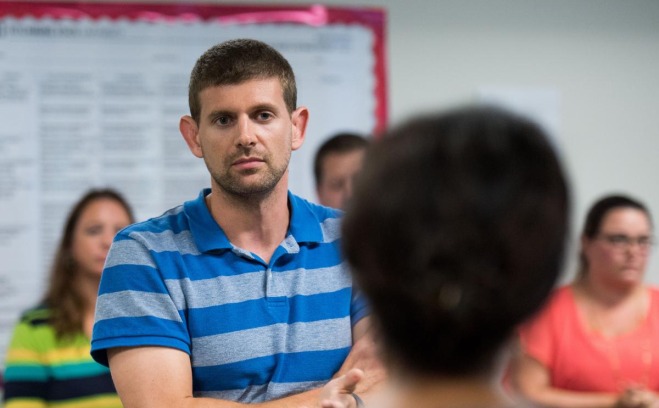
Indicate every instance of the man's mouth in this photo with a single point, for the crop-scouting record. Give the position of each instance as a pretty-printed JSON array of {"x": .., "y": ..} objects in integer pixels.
[{"x": 247, "y": 162}]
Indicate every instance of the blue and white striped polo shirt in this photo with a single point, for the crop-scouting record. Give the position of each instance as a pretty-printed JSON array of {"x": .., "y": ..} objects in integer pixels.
[{"x": 254, "y": 331}]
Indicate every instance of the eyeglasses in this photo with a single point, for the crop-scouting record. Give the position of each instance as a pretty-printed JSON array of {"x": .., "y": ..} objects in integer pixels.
[{"x": 620, "y": 241}]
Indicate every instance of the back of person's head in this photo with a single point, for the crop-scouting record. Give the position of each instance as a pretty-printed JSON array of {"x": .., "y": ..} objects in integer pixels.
[
  {"x": 236, "y": 61},
  {"x": 339, "y": 143},
  {"x": 456, "y": 234},
  {"x": 61, "y": 293}
]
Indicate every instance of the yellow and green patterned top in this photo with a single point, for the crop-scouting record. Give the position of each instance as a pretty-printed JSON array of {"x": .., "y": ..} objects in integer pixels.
[{"x": 42, "y": 371}]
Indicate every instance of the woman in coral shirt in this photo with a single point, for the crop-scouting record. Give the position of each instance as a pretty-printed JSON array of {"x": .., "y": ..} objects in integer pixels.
[{"x": 596, "y": 343}]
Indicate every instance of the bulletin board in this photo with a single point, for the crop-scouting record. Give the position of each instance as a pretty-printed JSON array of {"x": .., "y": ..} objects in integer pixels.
[{"x": 91, "y": 95}]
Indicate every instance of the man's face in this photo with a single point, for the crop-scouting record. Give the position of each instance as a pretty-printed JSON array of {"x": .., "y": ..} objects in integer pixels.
[
  {"x": 246, "y": 135},
  {"x": 338, "y": 171}
]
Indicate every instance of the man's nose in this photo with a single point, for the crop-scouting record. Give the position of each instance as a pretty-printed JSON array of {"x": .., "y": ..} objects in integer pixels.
[{"x": 246, "y": 136}]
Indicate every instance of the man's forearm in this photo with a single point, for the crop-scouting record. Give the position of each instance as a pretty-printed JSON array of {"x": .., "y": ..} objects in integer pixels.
[{"x": 307, "y": 399}]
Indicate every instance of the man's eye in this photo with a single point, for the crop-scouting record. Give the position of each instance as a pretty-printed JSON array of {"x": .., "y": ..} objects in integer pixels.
[
  {"x": 223, "y": 120},
  {"x": 265, "y": 115}
]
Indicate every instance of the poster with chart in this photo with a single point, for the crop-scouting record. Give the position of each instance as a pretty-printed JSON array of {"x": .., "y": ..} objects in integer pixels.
[{"x": 91, "y": 95}]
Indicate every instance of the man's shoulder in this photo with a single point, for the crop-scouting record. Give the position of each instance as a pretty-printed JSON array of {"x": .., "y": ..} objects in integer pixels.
[
  {"x": 319, "y": 211},
  {"x": 314, "y": 223},
  {"x": 173, "y": 219},
  {"x": 168, "y": 232}
]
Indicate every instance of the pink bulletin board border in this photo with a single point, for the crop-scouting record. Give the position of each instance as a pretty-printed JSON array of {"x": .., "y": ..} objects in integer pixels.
[{"x": 313, "y": 15}]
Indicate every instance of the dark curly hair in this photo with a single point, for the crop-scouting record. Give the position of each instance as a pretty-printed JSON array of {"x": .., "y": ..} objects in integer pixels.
[{"x": 456, "y": 234}]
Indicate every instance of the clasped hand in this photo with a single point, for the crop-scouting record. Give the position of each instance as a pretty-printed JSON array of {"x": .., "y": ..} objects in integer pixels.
[
  {"x": 636, "y": 397},
  {"x": 361, "y": 373}
]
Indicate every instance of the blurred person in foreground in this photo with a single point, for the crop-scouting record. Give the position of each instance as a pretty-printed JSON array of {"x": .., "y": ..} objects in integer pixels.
[
  {"x": 48, "y": 362},
  {"x": 596, "y": 343},
  {"x": 337, "y": 162},
  {"x": 456, "y": 234}
]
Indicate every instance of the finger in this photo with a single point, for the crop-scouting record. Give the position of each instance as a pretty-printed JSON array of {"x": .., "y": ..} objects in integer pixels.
[
  {"x": 351, "y": 379},
  {"x": 329, "y": 404}
]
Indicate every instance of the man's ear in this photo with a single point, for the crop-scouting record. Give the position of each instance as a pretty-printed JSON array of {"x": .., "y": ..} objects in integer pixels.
[
  {"x": 299, "y": 119},
  {"x": 190, "y": 132}
]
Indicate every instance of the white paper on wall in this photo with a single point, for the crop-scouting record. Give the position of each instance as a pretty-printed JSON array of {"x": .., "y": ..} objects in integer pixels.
[{"x": 87, "y": 103}]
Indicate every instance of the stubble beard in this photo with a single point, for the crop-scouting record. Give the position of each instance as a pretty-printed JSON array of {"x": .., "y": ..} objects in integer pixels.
[{"x": 236, "y": 185}]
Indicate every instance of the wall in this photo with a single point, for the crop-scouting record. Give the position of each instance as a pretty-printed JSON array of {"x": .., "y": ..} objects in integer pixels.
[{"x": 602, "y": 56}]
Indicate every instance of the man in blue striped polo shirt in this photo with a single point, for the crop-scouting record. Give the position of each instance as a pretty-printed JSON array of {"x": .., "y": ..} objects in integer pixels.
[{"x": 240, "y": 296}]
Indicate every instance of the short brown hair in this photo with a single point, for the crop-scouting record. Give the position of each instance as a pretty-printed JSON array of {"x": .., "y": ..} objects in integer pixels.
[
  {"x": 236, "y": 61},
  {"x": 340, "y": 143}
]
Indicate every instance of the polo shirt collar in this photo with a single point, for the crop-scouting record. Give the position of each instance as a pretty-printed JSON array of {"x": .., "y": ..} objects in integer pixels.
[
  {"x": 304, "y": 225},
  {"x": 208, "y": 236}
]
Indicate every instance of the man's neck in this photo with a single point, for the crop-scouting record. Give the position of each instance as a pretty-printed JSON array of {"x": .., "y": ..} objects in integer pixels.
[{"x": 255, "y": 223}]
